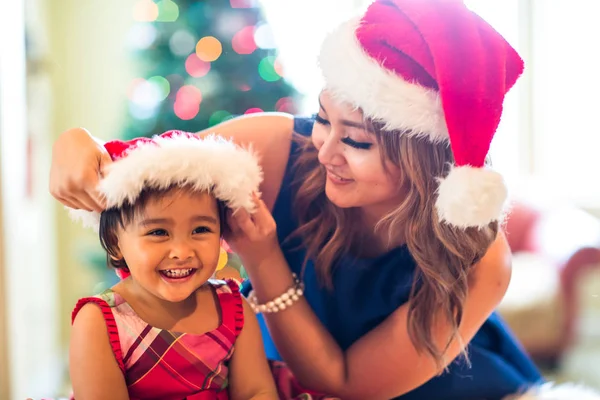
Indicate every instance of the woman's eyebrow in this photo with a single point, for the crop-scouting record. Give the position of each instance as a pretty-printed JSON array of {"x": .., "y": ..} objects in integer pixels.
[{"x": 359, "y": 125}]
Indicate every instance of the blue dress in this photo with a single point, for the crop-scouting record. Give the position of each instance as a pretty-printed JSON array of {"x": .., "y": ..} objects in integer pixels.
[{"x": 367, "y": 291}]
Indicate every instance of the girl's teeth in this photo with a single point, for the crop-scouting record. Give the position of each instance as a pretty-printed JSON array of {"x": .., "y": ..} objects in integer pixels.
[{"x": 177, "y": 273}]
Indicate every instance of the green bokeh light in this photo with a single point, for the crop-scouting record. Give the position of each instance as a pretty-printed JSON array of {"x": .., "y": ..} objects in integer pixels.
[
  {"x": 162, "y": 84},
  {"x": 266, "y": 69},
  {"x": 218, "y": 117},
  {"x": 168, "y": 11}
]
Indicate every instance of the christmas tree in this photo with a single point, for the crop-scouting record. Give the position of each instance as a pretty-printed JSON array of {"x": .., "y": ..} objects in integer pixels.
[{"x": 200, "y": 63}]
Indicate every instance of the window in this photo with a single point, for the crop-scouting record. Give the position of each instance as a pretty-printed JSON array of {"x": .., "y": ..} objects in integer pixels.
[
  {"x": 509, "y": 150},
  {"x": 565, "y": 87},
  {"x": 299, "y": 28}
]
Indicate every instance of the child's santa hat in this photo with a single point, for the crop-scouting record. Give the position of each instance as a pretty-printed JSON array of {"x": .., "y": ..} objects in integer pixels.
[
  {"x": 434, "y": 69},
  {"x": 208, "y": 163}
]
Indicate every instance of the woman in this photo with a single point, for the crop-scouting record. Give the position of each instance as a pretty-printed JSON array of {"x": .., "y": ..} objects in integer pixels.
[{"x": 375, "y": 254}]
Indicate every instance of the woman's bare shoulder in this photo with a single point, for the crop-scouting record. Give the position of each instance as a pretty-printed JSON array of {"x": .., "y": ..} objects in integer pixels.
[{"x": 494, "y": 270}]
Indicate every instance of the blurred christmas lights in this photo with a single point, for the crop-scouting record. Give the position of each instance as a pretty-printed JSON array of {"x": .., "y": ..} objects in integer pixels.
[{"x": 209, "y": 48}]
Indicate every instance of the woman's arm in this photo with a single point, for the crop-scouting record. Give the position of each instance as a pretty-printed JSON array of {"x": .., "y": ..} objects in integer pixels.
[
  {"x": 94, "y": 371},
  {"x": 78, "y": 158},
  {"x": 249, "y": 373},
  {"x": 382, "y": 364},
  {"x": 270, "y": 136}
]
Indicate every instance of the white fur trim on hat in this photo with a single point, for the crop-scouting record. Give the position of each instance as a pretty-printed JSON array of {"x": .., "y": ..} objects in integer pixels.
[
  {"x": 212, "y": 164},
  {"x": 352, "y": 76},
  {"x": 550, "y": 391},
  {"x": 89, "y": 219},
  {"x": 471, "y": 197}
]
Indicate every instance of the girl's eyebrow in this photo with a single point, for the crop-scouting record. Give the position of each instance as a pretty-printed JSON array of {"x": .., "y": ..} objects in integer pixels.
[{"x": 165, "y": 221}]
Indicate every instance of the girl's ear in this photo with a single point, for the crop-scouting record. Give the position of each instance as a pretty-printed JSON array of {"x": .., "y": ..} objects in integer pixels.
[{"x": 116, "y": 253}]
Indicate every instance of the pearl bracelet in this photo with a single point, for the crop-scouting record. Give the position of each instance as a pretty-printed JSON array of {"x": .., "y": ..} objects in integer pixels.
[{"x": 280, "y": 303}]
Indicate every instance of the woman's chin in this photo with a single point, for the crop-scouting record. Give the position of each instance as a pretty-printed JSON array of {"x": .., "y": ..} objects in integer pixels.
[{"x": 340, "y": 200}]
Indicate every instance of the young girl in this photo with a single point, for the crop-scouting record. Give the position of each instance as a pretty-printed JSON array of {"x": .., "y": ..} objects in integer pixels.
[{"x": 167, "y": 330}]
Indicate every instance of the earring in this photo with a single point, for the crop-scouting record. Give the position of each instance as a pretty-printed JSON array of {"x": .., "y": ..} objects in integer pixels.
[{"x": 223, "y": 258}]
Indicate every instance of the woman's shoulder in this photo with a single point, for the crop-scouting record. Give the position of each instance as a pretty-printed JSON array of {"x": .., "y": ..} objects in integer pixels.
[{"x": 494, "y": 269}]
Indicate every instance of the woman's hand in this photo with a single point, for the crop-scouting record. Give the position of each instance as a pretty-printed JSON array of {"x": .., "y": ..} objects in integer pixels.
[
  {"x": 77, "y": 164},
  {"x": 253, "y": 237}
]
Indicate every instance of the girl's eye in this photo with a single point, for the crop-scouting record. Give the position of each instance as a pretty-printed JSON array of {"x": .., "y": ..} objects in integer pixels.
[
  {"x": 202, "y": 229},
  {"x": 357, "y": 145},
  {"x": 320, "y": 120},
  {"x": 158, "y": 232}
]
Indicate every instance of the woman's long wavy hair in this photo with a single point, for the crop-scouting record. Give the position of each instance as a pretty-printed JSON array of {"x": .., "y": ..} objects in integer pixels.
[{"x": 444, "y": 255}]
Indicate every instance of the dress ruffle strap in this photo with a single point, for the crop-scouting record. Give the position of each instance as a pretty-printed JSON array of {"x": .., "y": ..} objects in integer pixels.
[
  {"x": 111, "y": 325},
  {"x": 232, "y": 308}
]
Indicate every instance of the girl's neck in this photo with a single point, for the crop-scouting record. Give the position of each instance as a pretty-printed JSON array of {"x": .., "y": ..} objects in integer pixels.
[{"x": 148, "y": 306}]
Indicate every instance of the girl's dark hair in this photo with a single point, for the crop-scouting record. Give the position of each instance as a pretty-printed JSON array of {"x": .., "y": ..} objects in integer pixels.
[{"x": 114, "y": 218}]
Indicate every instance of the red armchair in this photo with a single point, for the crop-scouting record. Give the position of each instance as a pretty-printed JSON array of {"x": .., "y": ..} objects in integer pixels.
[{"x": 566, "y": 240}]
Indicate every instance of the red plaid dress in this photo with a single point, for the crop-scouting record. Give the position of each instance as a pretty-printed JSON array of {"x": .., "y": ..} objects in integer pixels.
[{"x": 160, "y": 364}]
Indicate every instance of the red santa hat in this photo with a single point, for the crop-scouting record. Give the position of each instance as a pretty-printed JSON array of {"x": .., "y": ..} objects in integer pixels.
[
  {"x": 434, "y": 69},
  {"x": 208, "y": 163}
]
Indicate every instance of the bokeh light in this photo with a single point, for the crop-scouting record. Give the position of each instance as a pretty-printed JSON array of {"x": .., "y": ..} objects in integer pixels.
[
  {"x": 209, "y": 48},
  {"x": 141, "y": 113},
  {"x": 168, "y": 11},
  {"x": 146, "y": 94},
  {"x": 141, "y": 36},
  {"x": 187, "y": 102},
  {"x": 182, "y": 43},
  {"x": 210, "y": 84},
  {"x": 162, "y": 84},
  {"x": 195, "y": 66},
  {"x": 228, "y": 24},
  {"x": 263, "y": 36},
  {"x": 266, "y": 69},
  {"x": 244, "y": 87},
  {"x": 218, "y": 117},
  {"x": 186, "y": 111},
  {"x": 133, "y": 86},
  {"x": 145, "y": 11},
  {"x": 278, "y": 66},
  {"x": 285, "y": 104},
  {"x": 242, "y": 3},
  {"x": 243, "y": 41},
  {"x": 253, "y": 110},
  {"x": 189, "y": 94}
]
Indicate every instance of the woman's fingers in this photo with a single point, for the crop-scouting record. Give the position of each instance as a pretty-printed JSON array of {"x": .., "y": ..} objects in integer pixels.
[
  {"x": 245, "y": 222},
  {"x": 78, "y": 161},
  {"x": 81, "y": 201},
  {"x": 262, "y": 216}
]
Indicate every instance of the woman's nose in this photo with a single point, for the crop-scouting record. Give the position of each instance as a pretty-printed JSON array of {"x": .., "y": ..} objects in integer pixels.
[{"x": 330, "y": 151}]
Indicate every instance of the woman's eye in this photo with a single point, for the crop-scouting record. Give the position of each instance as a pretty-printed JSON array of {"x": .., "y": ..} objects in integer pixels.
[
  {"x": 357, "y": 145},
  {"x": 158, "y": 232},
  {"x": 321, "y": 120},
  {"x": 202, "y": 229}
]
